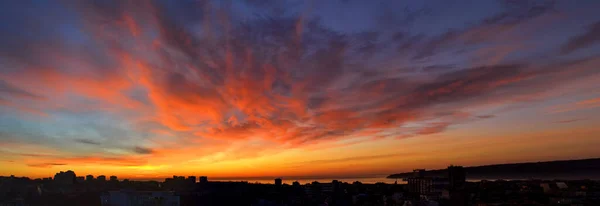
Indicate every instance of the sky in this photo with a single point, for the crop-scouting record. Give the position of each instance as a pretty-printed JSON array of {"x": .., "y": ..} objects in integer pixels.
[{"x": 263, "y": 88}]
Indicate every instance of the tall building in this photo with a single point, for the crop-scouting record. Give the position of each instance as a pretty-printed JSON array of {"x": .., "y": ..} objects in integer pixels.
[
  {"x": 417, "y": 182},
  {"x": 89, "y": 178},
  {"x": 65, "y": 178},
  {"x": 178, "y": 178},
  {"x": 278, "y": 182},
  {"x": 101, "y": 178},
  {"x": 336, "y": 185},
  {"x": 192, "y": 179},
  {"x": 113, "y": 178},
  {"x": 456, "y": 177},
  {"x": 203, "y": 179},
  {"x": 456, "y": 187},
  {"x": 421, "y": 185}
]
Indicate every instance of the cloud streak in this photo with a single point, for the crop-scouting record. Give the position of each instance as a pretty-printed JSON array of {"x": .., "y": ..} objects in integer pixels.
[
  {"x": 46, "y": 165},
  {"x": 357, "y": 158},
  {"x": 568, "y": 121},
  {"x": 87, "y": 141},
  {"x": 586, "y": 39}
]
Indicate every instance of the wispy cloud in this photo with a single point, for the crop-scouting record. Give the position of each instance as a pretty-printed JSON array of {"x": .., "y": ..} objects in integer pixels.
[
  {"x": 45, "y": 165},
  {"x": 568, "y": 121},
  {"x": 142, "y": 150},
  {"x": 590, "y": 37},
  {"x": 486, "y": 116},
  {"x": 356, "y": 158},
  {"x": 87, "y": 141},
  {"x": 583, "y": 104},
  {"x": 10, "y": 90}
]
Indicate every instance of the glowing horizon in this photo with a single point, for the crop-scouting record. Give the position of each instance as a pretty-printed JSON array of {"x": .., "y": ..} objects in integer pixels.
[{"x": 292, "y": 88}]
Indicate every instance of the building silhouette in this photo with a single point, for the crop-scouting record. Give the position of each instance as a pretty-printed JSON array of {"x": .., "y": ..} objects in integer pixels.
[
  {"x": 65, "y": 178},
  {"x": 278, "y": 182},
  {"x": 203, "y": 179},
  {"x": 192, "y": 179},
  {"x": 101, "y": 178},
  {"x": 89, "y": 178},
  {"x": 456, "y": 177},
  {"x": 426, "y": 187},
  {"x": 423, "y": 188},
  {"x": 450, "y": 186},
  {"x": 456, "y": 187},
  {"x": 114, "y": 178}
]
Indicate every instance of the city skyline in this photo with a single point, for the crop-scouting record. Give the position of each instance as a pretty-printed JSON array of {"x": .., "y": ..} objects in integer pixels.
[
  {"x": 294, "y": 88},
  {"x": 557, "y": 169}
]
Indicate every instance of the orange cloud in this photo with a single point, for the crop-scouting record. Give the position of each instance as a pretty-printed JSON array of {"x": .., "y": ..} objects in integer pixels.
[{"x": 595, "y": 101}]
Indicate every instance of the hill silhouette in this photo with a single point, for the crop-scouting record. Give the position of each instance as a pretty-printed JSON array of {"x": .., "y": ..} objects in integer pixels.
[{"x": 561, "y": 169}]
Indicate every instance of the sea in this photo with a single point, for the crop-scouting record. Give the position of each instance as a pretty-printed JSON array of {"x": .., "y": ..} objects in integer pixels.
[
  {"x": 384, "y": 179},
  {"x": 366, "y": 180}
]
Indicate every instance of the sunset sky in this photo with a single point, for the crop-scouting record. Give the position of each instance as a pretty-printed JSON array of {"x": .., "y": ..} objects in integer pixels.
[{"x": 255, "y": 88}]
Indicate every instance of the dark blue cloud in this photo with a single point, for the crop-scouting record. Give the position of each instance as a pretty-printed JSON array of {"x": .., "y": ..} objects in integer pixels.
[{"x": 587, "y": 39}]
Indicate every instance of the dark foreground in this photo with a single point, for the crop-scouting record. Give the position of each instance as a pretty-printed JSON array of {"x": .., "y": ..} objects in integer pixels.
[
  {"x": 64, "y": 189},
  {"x": 565, "y": 169}
]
